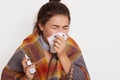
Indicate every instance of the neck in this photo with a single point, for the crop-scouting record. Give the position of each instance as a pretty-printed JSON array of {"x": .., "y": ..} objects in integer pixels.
[{"x": 44, "y": 43}]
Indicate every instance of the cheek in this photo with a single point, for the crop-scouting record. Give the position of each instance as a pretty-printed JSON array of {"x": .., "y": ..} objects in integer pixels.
[{"x": 49, "y": 32}]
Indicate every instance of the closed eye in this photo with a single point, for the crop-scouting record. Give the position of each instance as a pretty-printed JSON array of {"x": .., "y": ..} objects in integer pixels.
[
  {"x": 66, "y": 27},
  {"x": 55, "y": 27}
]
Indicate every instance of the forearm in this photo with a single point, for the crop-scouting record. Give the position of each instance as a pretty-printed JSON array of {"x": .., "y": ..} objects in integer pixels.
[{"x": 65, "y": 61}]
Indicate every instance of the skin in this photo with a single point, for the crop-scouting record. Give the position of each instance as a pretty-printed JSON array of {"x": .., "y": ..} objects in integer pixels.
[{"x": 58, "y": 23}]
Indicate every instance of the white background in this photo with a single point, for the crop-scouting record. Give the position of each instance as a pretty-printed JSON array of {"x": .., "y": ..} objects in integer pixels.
[{"x": 95, "y": 26}]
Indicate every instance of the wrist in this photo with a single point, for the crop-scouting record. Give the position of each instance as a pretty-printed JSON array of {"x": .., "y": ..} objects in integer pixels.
[{"x": 61, "y": 55}]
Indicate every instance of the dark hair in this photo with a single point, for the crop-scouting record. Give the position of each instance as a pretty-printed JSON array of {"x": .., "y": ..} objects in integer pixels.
[{"x": 53, "y": 7}]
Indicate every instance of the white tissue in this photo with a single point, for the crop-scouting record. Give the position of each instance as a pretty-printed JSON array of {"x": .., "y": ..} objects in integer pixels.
[{"x": 51, "y": 40}]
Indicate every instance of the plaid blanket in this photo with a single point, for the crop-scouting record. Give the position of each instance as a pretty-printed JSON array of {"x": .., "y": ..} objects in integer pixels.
[{"x": 45, "y": 71}]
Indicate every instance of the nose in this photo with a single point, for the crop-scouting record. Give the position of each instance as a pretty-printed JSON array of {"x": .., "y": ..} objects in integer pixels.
[{"x": 61, "y": 30}]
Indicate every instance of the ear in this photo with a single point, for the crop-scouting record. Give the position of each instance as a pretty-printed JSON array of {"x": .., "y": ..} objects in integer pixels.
[{"x": 40, "y": 26}]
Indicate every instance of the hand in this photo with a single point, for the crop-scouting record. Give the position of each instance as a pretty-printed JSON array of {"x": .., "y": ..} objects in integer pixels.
[
  {"x": 27, "y": 68},
  {"x": 59, "y": 45}
]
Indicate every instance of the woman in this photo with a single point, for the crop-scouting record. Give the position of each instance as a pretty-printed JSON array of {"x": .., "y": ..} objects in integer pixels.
[{"x": 66, "y": 64}]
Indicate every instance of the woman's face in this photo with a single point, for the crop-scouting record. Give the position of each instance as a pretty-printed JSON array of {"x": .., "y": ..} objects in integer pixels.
[{"x": 58, "y": 23}]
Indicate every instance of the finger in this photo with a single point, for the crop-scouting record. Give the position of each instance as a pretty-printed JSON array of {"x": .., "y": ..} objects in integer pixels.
[
  {"x": 57, "y": 41},
  {"x": 33, "y": 66},
  {"x": 24, "y": 64},
  {"x": 60, "y": 38},
  {"x": 56, "y": 48},
  {"x": 56, "y": 44}
]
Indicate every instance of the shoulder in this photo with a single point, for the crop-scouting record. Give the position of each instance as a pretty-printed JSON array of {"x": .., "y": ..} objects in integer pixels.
[
  {"x": 30, "y": 39},
  {"x": 72, "y": 42}
]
